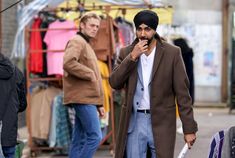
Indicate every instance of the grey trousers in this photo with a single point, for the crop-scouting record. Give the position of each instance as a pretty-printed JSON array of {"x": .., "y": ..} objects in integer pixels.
[{"x": 141, "y": 138}]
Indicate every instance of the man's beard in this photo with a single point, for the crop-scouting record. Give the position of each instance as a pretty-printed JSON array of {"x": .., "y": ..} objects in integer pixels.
[{"x": 149, "y": 40}]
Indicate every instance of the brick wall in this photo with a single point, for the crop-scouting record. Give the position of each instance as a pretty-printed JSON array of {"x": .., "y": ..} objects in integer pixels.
[{"x": 8, "y": 26}]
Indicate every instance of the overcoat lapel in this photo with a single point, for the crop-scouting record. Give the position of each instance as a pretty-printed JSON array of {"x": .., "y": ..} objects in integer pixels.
[{"x": 157, "y": 58}]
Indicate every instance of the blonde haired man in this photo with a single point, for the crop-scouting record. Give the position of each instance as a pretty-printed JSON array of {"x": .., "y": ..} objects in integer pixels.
[{"x": 82, "y": 85}]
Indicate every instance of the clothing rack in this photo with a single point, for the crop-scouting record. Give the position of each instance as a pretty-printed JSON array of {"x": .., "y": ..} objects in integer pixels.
[
  {"x": 82, "y": 7},
  {"x": 36, "y": 149},
  {"x": 44, "y": 30}
]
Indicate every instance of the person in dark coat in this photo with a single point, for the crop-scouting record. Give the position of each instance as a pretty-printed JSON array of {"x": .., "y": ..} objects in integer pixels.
[
  {"x": 12, "y": 101},
  {"x": 187, "y": 54}
]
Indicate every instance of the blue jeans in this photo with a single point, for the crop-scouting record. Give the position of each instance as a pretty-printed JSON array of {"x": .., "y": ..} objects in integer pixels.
[
  {"x": 86, "y": 132},
  {"x": 8, "y": 152}
]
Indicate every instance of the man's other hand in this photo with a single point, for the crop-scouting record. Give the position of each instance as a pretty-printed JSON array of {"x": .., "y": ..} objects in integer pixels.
[{"x": 190, "y": 139}]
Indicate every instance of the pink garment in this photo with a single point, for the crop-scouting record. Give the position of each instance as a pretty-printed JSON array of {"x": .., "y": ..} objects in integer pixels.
[{"x": 57, "y": 40}]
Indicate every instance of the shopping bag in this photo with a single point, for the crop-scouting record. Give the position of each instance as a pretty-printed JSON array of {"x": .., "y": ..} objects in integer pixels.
[
  {"x": 1, "y": 153},
  {"x": 183, "y": 151},
  {"x": 19, "y": 148}
]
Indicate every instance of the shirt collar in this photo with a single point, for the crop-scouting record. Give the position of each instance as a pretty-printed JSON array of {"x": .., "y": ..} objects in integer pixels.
[{"x": 150, "y": 56}]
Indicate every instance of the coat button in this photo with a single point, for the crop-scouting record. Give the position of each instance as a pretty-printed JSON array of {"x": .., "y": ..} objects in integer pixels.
[
  {"x": 137, "y": 103},
  {"x": 142, "y": 89}
]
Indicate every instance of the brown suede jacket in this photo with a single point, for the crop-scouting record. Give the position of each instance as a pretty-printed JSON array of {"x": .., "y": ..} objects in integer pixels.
[{"x": 82, "y": 81}]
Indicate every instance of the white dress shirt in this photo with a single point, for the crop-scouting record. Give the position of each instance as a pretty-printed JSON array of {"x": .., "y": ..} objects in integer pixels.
[{"x": 147, "y": 66}]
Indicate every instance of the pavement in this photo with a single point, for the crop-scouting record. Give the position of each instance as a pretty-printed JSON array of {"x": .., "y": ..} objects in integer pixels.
[{"x": 210, "y": 120}]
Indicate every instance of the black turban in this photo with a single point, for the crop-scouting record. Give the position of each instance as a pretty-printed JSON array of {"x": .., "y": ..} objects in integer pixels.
[{"x": 146, "y": 17}]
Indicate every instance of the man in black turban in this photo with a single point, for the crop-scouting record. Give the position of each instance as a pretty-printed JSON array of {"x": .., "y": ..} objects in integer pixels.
[
  {"x": 153, "y": 75},
  {"x": 147, "y": 17}
]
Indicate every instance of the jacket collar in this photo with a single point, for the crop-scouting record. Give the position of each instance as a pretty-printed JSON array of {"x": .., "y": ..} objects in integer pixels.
[{"x": 84, "y": 36}]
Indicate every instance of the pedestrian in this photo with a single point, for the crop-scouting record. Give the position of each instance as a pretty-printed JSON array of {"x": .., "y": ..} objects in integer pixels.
[
  {"x": 82, "y": 85},
  {"x": 153, "y": 74},
  {"x": 187, "y": 54},
  {"x": 12, "y": 101}
]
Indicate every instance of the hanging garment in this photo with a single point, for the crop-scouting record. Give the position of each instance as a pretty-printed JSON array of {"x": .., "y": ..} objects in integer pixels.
[
  {"x": 47, "y": 18},
  {"x": 105, "y": 83},
  {"x": 36, "y": 58},
  {"x": 125, "y": 32},
  {"x": 57, "y": 40},
  {"x": 44, "y": 25},
  {"x": 60, "y": 132},
  {"x": 63, "y": 126},
  {"x": 40, "y": 102},
  {"x": 104, "y": 42},
  {"x": 72, "y": 115},
  {"x": 104, "y": 122}
]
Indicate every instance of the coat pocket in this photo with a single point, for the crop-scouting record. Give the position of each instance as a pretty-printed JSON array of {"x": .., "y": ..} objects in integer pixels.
[{"x": 94, "y": 89}]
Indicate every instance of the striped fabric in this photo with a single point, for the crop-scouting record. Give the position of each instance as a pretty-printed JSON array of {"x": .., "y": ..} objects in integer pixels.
[{"x": 216, "y": 145}]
